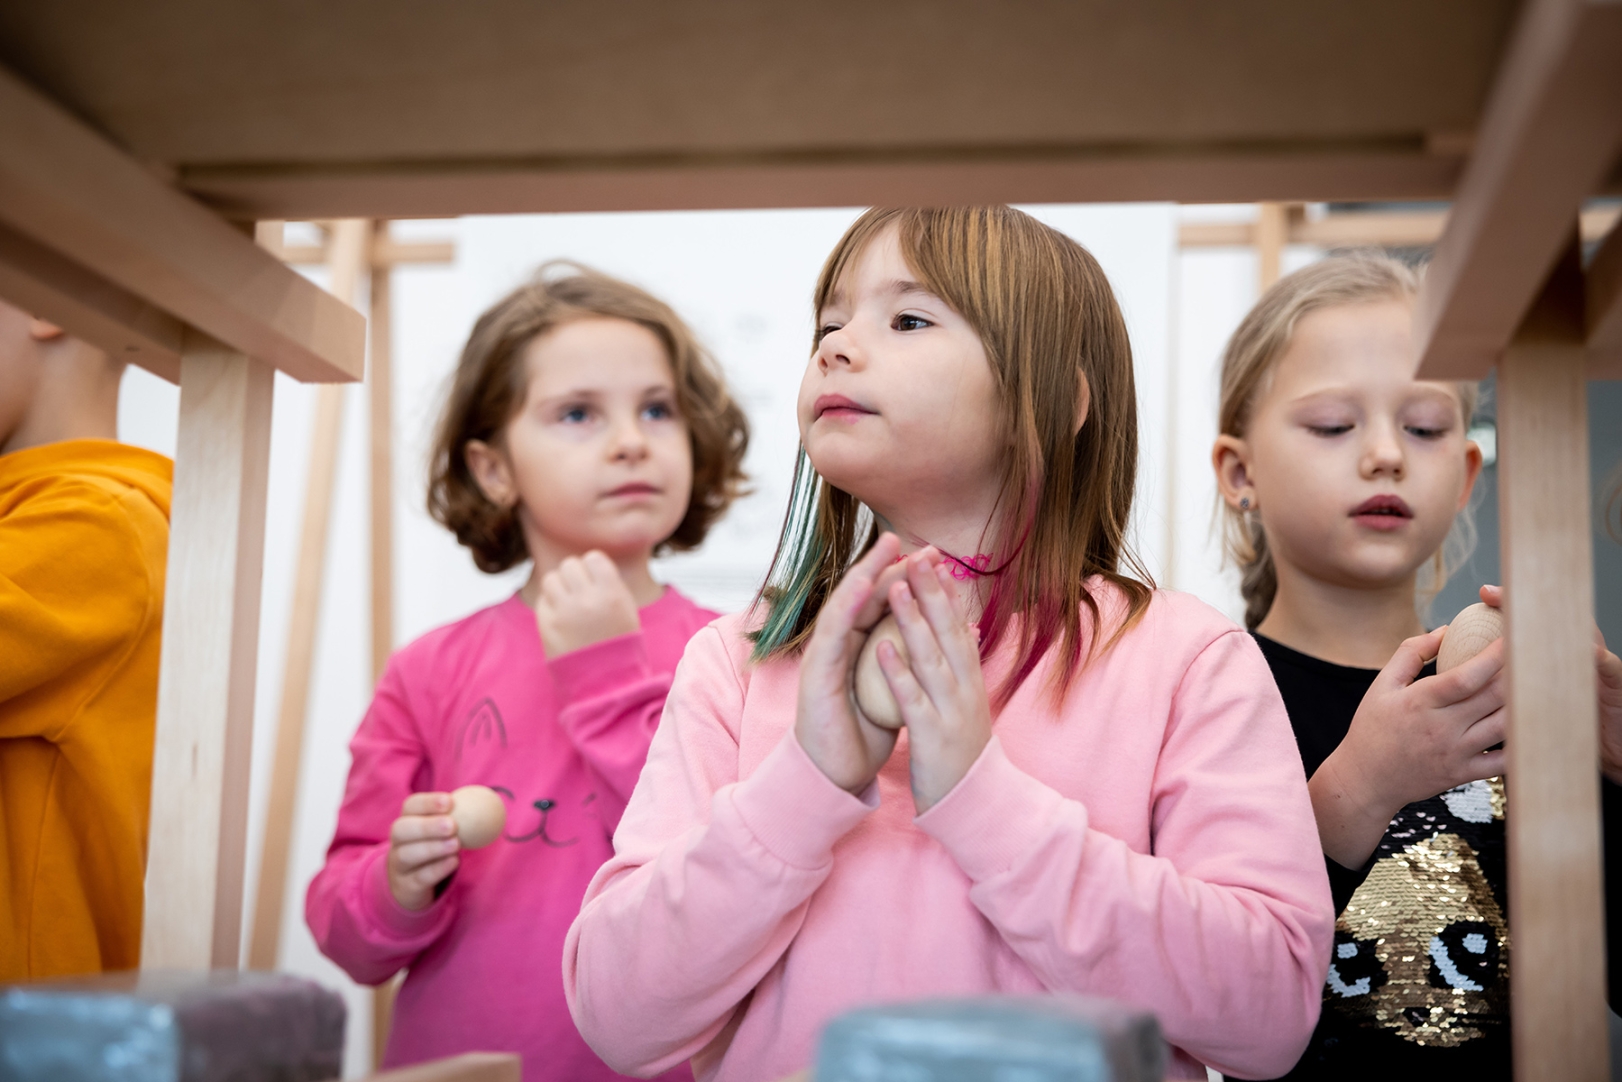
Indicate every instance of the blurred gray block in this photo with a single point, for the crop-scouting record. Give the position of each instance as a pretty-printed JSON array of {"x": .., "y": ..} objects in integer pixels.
[
  {"x": 993, "y": 1039},
  {"x": 160, "y": 1026}
]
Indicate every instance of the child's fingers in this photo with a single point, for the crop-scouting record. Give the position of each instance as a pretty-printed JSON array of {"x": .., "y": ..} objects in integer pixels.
[
  {"x": 415, "y": 828},
  {"x": 1488, "y": 731},
  {"x": 914, "y": 703},
  {"x": 944, "y": 610},
  {"x": 1470, "y": 678},
  {"x": 1411, "y": 657},
  {"x": 861, "y": 582},
  {"x": 414, "y": 855},
  {"x": 1489, "y": 764},
  {"x": 428, "y": 876},
  {"x": 925, "y": 657},
  {"x": 1493, "y": 596},
  {"x": 426, "y": 804}
]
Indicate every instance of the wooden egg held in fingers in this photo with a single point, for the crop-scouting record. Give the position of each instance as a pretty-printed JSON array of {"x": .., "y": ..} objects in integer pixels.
[
  {"x": 479, "y": 814},
  {"x": 1472, "y": 631},
  {"x": 873, "y": 696}
]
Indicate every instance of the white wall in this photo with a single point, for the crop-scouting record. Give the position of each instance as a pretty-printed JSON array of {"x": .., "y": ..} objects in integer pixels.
[{"x": 743, "y": 280}]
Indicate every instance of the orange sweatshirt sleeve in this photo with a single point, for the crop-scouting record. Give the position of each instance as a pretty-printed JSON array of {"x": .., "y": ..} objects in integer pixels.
[{"x": 73, "y": 586}]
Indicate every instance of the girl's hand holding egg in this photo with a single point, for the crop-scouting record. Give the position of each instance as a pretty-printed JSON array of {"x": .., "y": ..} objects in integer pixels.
[
  {"x": 583, "y": 601},
  {"x": 422, "y": 849},
  {"x": 937, "y": 684},
  {"x": 1412, "y": 738},
  {"x": 1608, "y": 676},
  {"x": 844, "y": 745}
]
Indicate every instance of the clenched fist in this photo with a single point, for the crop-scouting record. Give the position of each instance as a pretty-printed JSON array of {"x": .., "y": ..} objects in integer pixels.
[{"x": 583, "y": 601}]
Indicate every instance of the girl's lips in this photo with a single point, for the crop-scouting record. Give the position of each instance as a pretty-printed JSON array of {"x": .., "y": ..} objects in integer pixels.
[
  {"x": 1383, "y": 512},
  {"x": 635, "y": 488},
  {"x": 839, "y": 407}
]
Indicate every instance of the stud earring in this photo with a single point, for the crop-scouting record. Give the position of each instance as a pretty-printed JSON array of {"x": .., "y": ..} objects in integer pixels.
[{"x": 1244, "y": 503}]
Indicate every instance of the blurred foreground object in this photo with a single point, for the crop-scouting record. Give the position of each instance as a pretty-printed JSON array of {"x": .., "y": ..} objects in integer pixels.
[
  {"x": 171, "y": 1026},
  {"x": 1032, "y": 1038}
]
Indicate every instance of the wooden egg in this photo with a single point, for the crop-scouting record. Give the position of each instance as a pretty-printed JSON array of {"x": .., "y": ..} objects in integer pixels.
[
  {"x": 1472, "y": 631},
  {"x": 480, "y": 815},
  {"x": 873, "y": 696}
]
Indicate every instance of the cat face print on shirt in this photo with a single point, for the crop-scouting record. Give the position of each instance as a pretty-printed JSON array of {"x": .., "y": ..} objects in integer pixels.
[
  {"x": 483, "y": 756},
  {"x": 1422, "y": 948}
]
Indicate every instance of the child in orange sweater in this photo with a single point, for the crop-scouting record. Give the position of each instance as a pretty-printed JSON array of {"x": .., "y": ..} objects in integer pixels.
[{"x": 84, "y": 533}]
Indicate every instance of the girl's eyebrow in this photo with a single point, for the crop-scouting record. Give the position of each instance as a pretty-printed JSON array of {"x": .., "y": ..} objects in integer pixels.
[{"x": 902, "y": 287}]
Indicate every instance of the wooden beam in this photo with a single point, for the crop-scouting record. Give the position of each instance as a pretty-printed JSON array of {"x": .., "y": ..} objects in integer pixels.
[
  {"x": 384, "y": 254},
  {"x": 1557, "y": 919},
  {"x": 349, "y": 243},
  {"x": 68, "y": 190},
  {"x": 972, "y": 175},
  {"x": 1604, "y": 308},
  {"x": 1550, "y": 134},
  {"x": 1355, "y": 229},
  {"x": 45, "y": 283},
  {"x": 199, "y": 821}
]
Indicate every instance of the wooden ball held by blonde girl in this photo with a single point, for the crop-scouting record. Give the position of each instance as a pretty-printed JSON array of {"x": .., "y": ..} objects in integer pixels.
[{"x": 1474, "y": 629}]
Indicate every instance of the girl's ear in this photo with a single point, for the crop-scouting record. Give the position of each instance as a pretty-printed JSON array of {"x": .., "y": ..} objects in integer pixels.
[
  {"x": 491, "y": 472},
  {"x": 1084, "y": 400},
  {"x": 1230, "y": 458},
  {"x": 1472, "y": 470}
]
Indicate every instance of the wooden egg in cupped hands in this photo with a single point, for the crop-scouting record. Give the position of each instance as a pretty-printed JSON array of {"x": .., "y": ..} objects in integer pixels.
[
  {"x": 1472, "y": 631},
  {"x": 873, "y": 697},
  {"x": 479, "y": 814}
]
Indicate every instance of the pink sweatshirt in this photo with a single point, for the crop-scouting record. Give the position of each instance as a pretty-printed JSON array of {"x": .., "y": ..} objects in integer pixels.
[
  {"x": 1149, "y": 839},
  {"x": 563, "y": 741}
]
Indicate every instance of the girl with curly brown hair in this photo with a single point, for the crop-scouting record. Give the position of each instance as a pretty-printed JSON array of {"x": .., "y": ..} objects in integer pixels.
[{"x": 585, "y": 431}]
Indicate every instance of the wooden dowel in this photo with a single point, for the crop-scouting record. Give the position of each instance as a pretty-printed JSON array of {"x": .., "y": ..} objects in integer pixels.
[
  {"x": 198, "y": 834},
  {"x": 1272, "y": 233},
  {"x": 380, "y": 386},
  {"x": 1557, "y": 965},
  {"x": 349, "y": 262},
  {"x": 282, "y": 801},
  {"x": 382, "y": 532}
]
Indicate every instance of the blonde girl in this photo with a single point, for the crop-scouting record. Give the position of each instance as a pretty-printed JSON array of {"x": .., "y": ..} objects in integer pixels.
[{"x": 1094, "y": 787}]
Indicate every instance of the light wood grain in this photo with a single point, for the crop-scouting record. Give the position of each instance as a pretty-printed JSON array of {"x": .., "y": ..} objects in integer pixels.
[
  {"x": 282, "y": 800},
  {"x": 381, "y": 404},
  {"x": 1557, "y": 968},
  {"x": 1550, "y": 136},
  {"x": 349, "y": 241},
  {"x": 992, "y": 174},
  {"x": 1357, "y": 228},
  {"x": 381, "y": 464},
  {"x": 42, "y": 281},
  {"x": 1272, "y": 234},
  {"x": 470, "y": 1067},
  {"x": 198, "y": 830},
  {"x": 66, "y": 188},
  {"x": 1604, "y": 308}
]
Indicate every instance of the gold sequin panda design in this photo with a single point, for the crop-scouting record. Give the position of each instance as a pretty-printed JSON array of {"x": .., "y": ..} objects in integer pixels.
[{"x": 1422, "y": 948}]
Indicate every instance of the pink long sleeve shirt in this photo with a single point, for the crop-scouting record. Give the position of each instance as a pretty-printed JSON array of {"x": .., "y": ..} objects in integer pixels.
[
  {"x": 1149, "y": 838},
  {"x": 477, "y": 702}
]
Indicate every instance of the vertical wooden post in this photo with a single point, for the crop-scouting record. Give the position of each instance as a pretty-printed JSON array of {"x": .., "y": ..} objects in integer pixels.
[
  {"x": 380, "y": 383},
  {"x": 380, "y": 387},
  {"x": 1272, "y": 233},
  {"x": 1557, "y": 960},
  {"x": 195, "y": 855},
  {"x": 349, "y": 245}
]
